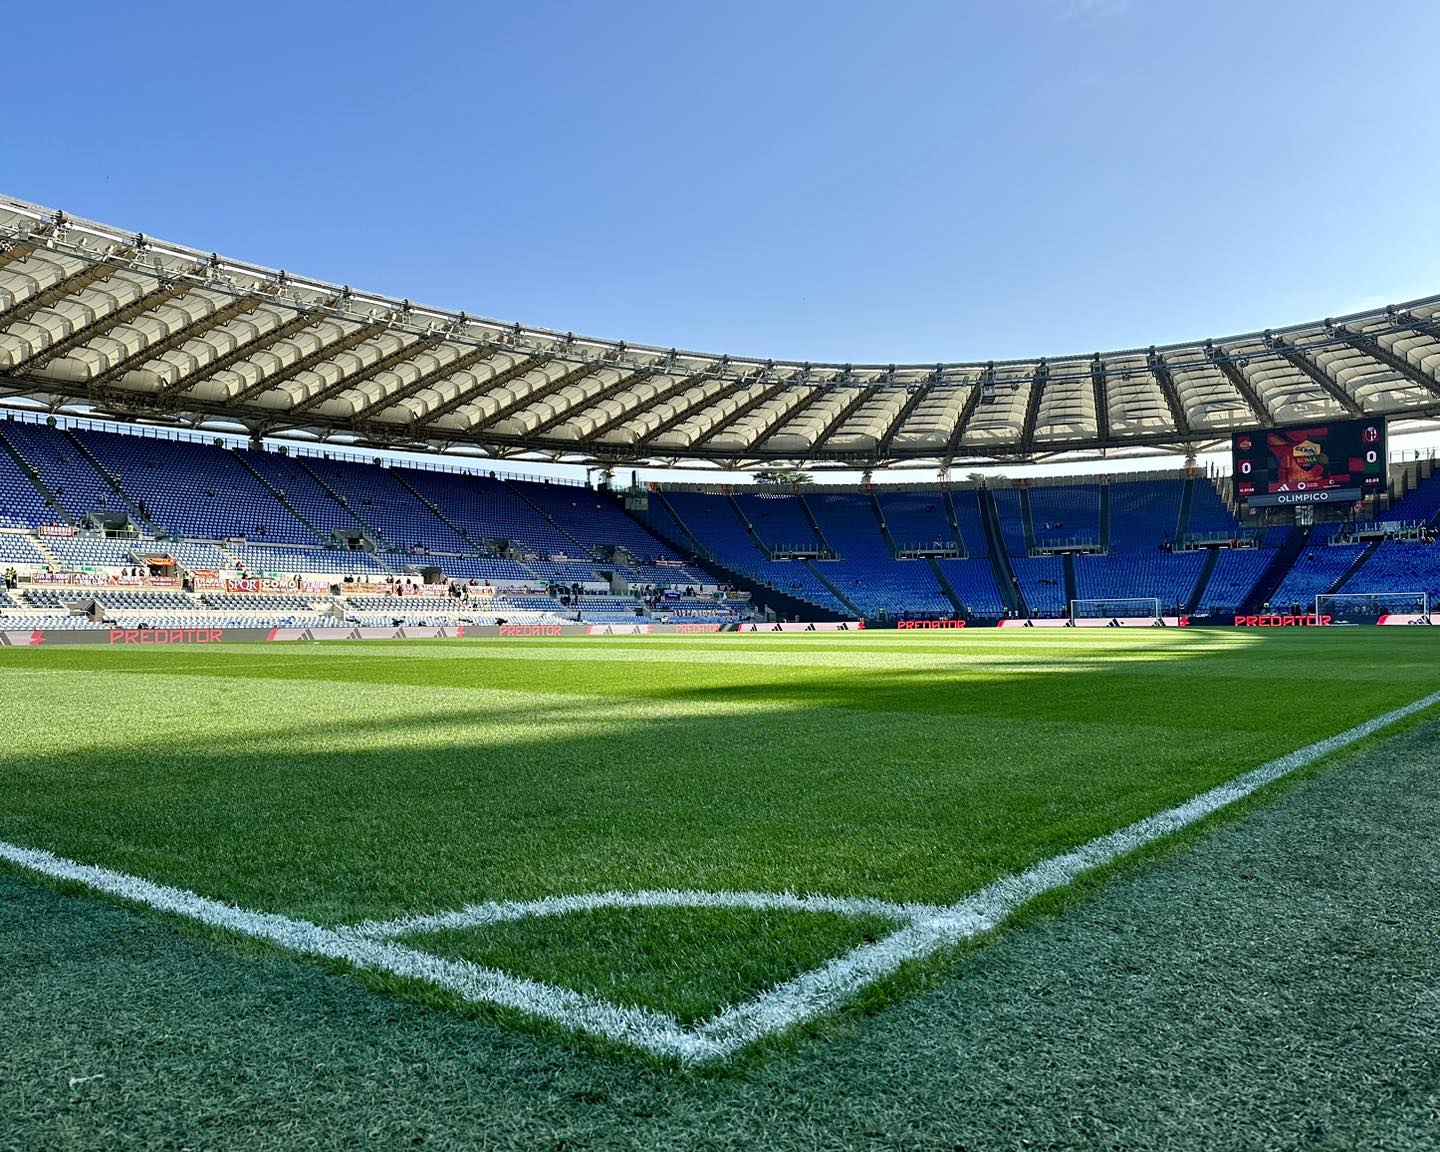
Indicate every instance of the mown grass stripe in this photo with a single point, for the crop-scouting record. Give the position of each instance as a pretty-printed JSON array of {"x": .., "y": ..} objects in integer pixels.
[{"x": 774, "y": 1011}]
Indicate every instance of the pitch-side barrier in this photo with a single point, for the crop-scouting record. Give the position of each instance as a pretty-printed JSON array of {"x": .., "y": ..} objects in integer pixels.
[
  {"x": 189, "y": 637},
  {"x": 173, "y": 637}
]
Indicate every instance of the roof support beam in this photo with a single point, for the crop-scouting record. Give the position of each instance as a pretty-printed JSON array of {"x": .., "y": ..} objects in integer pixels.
[
  {"x": 675, "y": 419},
  {"x": 1317, "y": 375},
  {"x": 1038, "y": 379},
  {"x": 14, "y": 251},
  {"x": 425, "y": 380},
  {"x": 918, "y": 392},
  {"x": 470, "y": 391},
  {"x": 59, "y": 396},
  {"x": 240, "y": 353},
  {"x": 89, "y": 275},
  {"x": 677, "y": 385},
  {"x": 1161, "y": 372},
  {"x": 627, "y": 379},
  {"x": 1404, "y": 319},
  {"x": 1100, "y": 386},
  {"x": 314, "y": 359},
  {"x": 1231, "y": 371},
  {"x": 1368, "y": 344},
  {"x": 167, "y": 291},
  {"x": 349, "y": 380},
  {"x": 967, "y": 413},
  {"x": 520, "y": 403},
  {"x": 181, "y": 335},
  {"x": 851, "y": 407},
  {"x": 764, "y": 397}
]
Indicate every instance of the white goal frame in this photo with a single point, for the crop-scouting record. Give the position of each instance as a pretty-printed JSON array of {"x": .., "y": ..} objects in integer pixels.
[
  {"x": 1421, "y": 598},
  {"x": 1149, "y": 609}
]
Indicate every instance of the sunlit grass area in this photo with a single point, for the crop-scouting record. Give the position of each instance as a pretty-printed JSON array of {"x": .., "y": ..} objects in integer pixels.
[{"x": 344, "y": 782}]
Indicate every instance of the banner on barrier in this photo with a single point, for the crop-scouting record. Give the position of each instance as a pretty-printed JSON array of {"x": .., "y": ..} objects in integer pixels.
[
  {"x": 823, "y": 626},
  {"x": 156, "y": 636},
  {"x": 74, "y": 579},
  {"x": 1099, "y": 622},
  {"x": 1283, "y": 620}
]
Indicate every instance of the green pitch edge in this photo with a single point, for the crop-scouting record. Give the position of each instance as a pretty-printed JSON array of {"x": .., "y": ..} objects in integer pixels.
[{"x": 1269, "y": 983}]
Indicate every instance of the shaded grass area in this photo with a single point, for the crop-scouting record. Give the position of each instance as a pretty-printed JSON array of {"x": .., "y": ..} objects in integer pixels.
[
  {"x": 424, "y": 777},
  {"x": 1269, "y": 985},
  {"x": 689, "y": 962},
  {"x": 339, "y": 783}
]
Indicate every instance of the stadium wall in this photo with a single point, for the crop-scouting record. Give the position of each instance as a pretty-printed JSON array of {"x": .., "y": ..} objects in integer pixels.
[{"x": 191, "y": 637}]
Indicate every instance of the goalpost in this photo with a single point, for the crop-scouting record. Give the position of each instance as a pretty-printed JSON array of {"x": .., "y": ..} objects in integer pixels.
[
  {"x": 1368, "y": 607},
  {"x": 1116, "y": 612}
]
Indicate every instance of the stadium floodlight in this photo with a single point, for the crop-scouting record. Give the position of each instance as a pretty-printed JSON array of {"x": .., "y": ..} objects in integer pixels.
[
  {"x": 1116, "y": 612},
  {"x": 1372, "y": 607}
]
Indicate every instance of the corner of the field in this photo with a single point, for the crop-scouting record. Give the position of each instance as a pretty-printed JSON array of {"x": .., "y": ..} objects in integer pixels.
[{"x": 1193, "y": 836}]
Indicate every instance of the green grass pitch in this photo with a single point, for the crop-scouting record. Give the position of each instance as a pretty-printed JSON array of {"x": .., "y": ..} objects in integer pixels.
[{"x": 347, "y": 782}]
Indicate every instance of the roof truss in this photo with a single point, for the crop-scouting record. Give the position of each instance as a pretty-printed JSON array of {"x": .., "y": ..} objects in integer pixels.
[
  {"x": 1317, "y": 375},
  {"x": 470, "y": 392},
  {"x": 106, "y": 369},
  {"x": 1364, "y": 342}
]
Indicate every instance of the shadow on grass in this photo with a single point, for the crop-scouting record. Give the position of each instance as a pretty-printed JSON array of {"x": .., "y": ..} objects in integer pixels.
[{"x": 900, "y": 783}]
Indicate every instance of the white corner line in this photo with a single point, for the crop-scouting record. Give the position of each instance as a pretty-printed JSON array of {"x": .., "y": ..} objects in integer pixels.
[
  {"x": 925, "y": 929},
  {"x": 502, "y": 911}
]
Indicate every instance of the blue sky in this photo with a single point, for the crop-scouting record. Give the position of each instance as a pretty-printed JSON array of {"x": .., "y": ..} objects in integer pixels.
[{"x": 908, "y": 181}]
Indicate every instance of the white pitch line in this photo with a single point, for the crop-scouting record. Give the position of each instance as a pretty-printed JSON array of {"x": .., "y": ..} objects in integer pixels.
[
  {"x": 654, "y": 1031},
  {"x": 501, "y": 911},
  {"x": 926, "y": 929}
]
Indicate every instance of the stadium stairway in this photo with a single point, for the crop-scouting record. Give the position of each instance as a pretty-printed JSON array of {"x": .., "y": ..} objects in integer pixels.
[
  {"x": 1212, "y": 558},
  {"x": 46, "y": 551},
  {"x": 783, "y": 604},
  {"x": 1182, "y": 522},
  {"x": 672, "y": 527},
  {"x": 519, "y": 490},
  {"x": 1005, "y": 581},
  {"x": 819, "y": 533},
  {"x": 1027, "y": 521},
  {"x": 1416, "y": 494},
  {"x": 280, "y": 496},
  {"x": 1070, "y": 594},
  {"x": 435, "y": 510},
  {"x": 884, "y": 527},
  {"x": 947, "y": 588},
  {"x": 51, "y": 501},
  {"x": 1407, "y": 477},
  {"x": 949, "y": 503},
  {"x": 1104, "y": 517},
  {"x": 94, "y": 461},
  {"x": 1356, "y": 565},
  {"x": 375, "y": 535},
  {"x": 687, "y": 541},
  {"x": 834, "y": 589},
  {"x": 1274, "y": 575},
  {"x": 749, "y": 527}
]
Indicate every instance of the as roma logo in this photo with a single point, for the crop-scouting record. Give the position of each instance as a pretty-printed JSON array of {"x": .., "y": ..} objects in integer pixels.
[{"x": 1306, "y": 453}]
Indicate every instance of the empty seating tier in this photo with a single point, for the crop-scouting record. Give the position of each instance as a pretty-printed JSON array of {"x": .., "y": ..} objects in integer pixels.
[{"x": 194, "y": 490}]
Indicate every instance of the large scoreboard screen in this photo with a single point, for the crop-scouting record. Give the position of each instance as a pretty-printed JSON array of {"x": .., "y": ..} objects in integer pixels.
[{"x": 1337, "y": 462}]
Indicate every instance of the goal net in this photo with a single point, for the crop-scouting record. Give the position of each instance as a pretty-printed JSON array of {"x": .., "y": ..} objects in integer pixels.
[
  {"x": 1370, "y": 607},
  {"x": 1116, "y": 612}
]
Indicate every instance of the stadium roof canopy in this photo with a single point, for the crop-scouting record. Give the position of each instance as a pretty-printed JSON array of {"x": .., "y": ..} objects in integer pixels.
[{"x": 103, "y": 322}]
